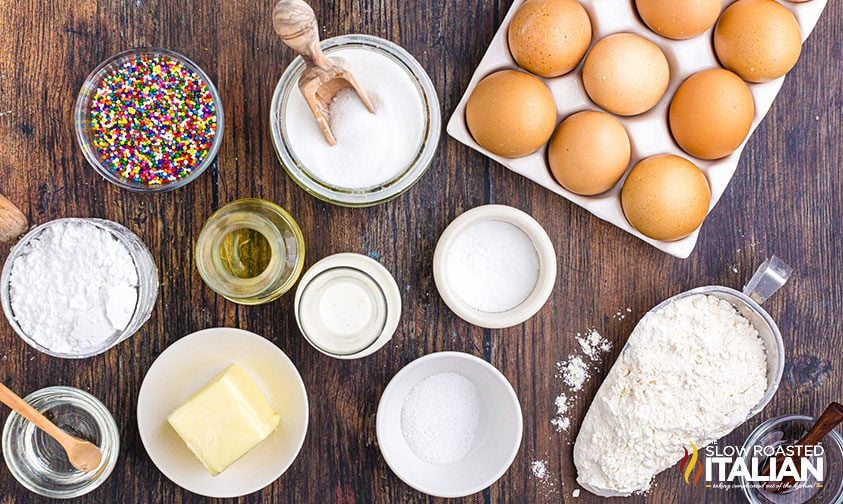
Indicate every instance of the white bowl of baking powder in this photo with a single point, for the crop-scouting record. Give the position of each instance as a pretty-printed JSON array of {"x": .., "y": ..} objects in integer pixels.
[{"x": 494, "y": 266}]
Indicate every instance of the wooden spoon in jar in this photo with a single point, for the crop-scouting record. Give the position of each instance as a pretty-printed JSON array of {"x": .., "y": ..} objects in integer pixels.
[
  {"x": 831, "y": 418},
  {"x": 295, "y": 22},
  {"x": 83, "y": 455},
  {"x": 12, "y": 221}
]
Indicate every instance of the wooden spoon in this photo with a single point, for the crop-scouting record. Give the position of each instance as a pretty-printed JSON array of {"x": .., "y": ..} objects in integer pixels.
[
  {"x": 831, "y": 418},
  {"x": 12, "y": 221},
  {"x": 83, "y": 455},
  {"x": 295, "y": 22}
]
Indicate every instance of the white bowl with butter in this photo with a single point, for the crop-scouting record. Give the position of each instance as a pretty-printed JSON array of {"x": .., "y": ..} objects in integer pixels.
[{"x": 192, "y": 383}]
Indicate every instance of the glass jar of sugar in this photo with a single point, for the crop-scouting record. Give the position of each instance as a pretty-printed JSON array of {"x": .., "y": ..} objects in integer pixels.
[
  {"x": 377, "y": 156},
  {"x": 250, "y": 251},
  {"x": 96, "y": 278},
  {"x": 40, "y": 464}
]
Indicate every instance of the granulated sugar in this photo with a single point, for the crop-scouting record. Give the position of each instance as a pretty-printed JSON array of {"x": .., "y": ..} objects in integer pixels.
[
  {"x": 493, "y": 266},
  {"x": 371, "y": 148},
  {"x": 439, "y": 418}
]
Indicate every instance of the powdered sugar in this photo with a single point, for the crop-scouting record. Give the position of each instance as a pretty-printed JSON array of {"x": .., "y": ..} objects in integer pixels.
[
  {"x": 439, "y": 418},
  {"x": 493, "y": 266},
  {"x": 73, "y": 287}
]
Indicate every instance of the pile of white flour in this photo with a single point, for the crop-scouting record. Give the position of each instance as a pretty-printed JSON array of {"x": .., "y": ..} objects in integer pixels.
[
  {"x": 690, "y": 372},
  {"x": 73, "y": 287}
]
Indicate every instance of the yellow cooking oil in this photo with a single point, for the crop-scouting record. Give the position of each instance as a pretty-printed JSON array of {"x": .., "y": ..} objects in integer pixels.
[{"x": 245, "y": 253}]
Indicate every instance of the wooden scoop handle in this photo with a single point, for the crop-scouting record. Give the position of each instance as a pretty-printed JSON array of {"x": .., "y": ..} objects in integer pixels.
[
  {"x": 15, "y": 402},
  {"x": 295, "y": 22},
  {"x": 12, "y": 221},
  {"x": 831, "y": 418}
]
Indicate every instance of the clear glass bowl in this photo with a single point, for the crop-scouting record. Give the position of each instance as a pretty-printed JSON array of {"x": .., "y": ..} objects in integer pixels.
[
  {"x": 39, "y": 463},
  {"x": 224, "y": 247},
  {"x": 147, "y": 286},
  {"x": 382, "y": 193},
  {"x": 786, "y": 430},
  {"x": 82, "y": 121}
]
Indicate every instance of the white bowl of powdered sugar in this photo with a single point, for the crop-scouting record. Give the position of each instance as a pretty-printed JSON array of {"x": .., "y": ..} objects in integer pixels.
[
  {"x": 449, "y": 424},
  {"x": 73, "y": 288}
]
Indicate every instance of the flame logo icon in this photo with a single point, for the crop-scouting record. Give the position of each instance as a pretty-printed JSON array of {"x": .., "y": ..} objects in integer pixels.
[{"x": 689, "y": 463}]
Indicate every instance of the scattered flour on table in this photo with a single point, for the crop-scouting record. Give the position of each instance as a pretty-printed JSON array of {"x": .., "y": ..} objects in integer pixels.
[
  {"x": 73, "y": 287},
  {"x": 539, "y": 468},
  {"x": 575, "y": 373},
  {"x": 439, "y": 418},
  {"x": 690, "y": 372}
]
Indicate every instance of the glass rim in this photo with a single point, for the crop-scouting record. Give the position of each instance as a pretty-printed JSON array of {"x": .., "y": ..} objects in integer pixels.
[
  {"x": 765, "y": 426},
  {"x": 365, "y": 346},
  {"x": 380, "y": 193},
  {"x": 80, "y": 114},
  {"x": 262, "y": 297},
  {"x": 105, "y": 421}
]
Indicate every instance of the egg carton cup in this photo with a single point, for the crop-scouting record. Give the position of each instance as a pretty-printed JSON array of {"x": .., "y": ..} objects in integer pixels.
[{"x": 649, "y": 133}]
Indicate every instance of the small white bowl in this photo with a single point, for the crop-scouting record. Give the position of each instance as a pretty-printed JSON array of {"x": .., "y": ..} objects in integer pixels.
[
  {"x": 497, "y": 439},
  {"x": 547, "y": 266},
  {"x": 188, "y": 365}
]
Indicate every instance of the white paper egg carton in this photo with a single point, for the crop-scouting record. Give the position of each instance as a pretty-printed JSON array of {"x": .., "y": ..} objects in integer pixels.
[{"x": 649, "y": 133}]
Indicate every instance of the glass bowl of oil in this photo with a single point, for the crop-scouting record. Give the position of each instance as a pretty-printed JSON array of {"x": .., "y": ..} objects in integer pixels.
[{"x": 250, "y": 251}]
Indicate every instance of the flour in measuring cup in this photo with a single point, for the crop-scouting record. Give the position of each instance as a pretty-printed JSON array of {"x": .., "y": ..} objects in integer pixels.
[
  {"x": 73, "y": 287},
  {"x": 690, "y": 372}
]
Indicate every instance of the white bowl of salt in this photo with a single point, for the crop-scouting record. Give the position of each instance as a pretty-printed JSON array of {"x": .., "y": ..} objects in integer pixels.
[{"x": 449, "y": 424}]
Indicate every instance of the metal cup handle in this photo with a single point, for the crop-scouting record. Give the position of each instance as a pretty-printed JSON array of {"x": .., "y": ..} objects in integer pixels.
[{"x": 768, "y": 278}]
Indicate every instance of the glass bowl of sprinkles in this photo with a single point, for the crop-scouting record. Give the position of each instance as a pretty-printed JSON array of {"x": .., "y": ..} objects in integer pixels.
[{"x": 149, "y": 120}]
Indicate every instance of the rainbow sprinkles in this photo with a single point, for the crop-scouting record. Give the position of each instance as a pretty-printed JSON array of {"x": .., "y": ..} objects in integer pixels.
[{"x": 153, "y": 120}]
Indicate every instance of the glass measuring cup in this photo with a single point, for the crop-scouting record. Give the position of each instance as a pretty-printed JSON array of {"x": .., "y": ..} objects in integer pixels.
[{"x": 768, "y": 278}]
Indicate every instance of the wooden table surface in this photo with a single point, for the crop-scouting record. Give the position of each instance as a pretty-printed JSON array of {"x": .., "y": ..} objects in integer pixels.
[{"x": 786, "y": 198}]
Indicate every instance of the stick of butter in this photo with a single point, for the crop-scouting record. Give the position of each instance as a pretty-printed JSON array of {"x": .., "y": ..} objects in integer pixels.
[{"x": 225, "y": 419}]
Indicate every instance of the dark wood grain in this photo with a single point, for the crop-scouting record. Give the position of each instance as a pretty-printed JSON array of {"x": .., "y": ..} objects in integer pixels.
[{"x": 786, "y": 198}]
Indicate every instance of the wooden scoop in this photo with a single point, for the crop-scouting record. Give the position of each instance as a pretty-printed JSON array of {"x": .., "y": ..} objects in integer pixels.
[
  {"x": 12, "y": 221},
  {"x": 295, "y": 23},
  {"x": 82, "y": 455},
  {"x": 831, "y": 418}
]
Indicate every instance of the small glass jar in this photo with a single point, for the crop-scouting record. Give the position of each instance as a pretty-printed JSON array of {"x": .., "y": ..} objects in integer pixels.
[
  {"x": 147, "y": 284},
  {"x": 787, "y": 430},
  {"x": 82, "y": 119},
  {"x": 250, "y": 251},
  {"x": 39, "y": 463},
  {"x": 403, "y": 180},
  {"x": 348, "y": 306}
]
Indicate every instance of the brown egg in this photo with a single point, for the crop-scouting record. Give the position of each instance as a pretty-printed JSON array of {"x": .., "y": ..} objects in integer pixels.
[
  {"x": 625, "y": 74},
  {"x": 549, "y": 37},
  {"x": 679, "y": 19},
  {"x": 665, "y": 197},
  {"x": 757, "y": 39},
  {"x": 589, "y": 152},
  {"x": 711, "y": 113},
  {"x": 511, "y": 113}
]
